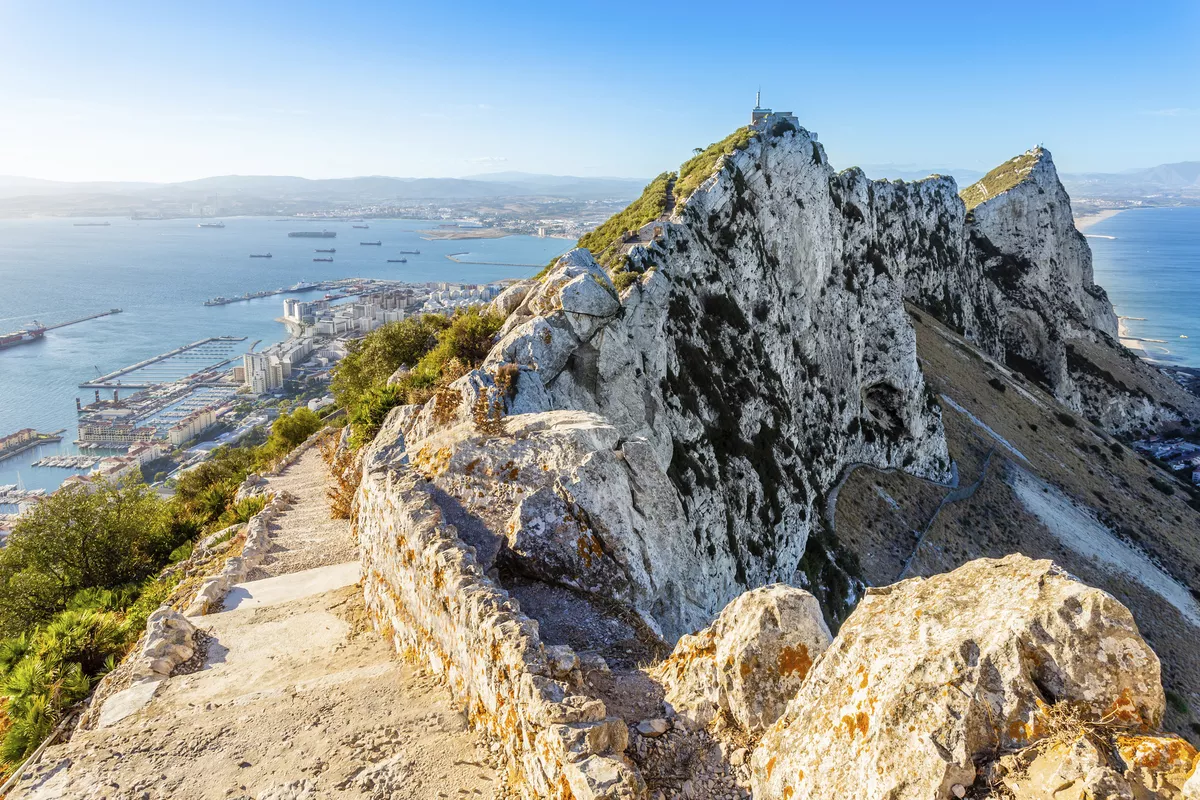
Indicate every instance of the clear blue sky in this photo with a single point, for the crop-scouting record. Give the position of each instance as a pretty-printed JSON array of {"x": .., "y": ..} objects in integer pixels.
[{"x": 172, "y": 91}]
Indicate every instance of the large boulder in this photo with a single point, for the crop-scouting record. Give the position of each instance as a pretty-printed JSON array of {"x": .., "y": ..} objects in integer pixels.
[
  {"x": 930, "y": 678},
  {"x": 750, "y": 662}
]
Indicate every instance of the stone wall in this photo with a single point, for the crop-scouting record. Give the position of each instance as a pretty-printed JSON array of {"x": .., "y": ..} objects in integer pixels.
[{"x": 426, "y": 593}]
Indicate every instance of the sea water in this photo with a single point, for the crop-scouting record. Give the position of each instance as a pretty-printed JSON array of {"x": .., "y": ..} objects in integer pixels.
[
  {"x": 1148, "y": 259},
  {"x": 160, "y": 272}
]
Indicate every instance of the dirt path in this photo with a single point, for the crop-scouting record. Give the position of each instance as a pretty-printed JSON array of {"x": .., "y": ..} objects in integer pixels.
[
  {"x": 305, "y": 536},
  {"x": 297, "y": 699}
]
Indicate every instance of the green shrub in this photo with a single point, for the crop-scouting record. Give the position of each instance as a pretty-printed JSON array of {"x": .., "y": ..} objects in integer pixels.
[
  {"x": 290, "y": 430},
  {"x": 367, "y": 417},
  {"x": 372, "y": 360},
  {"x": 74, "y": 540},
  {"x": 604, "y": 241},
  {"x": 699, "y": 168}
]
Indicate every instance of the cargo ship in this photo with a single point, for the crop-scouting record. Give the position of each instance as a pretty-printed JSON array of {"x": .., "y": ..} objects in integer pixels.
[
  {"x": 364, "y": 227},
  {"x": 92, "y": 224},
  {"x": 322, "y": 259},
  {"x": 21, "y": 337},
  {"x": 313, "y": 234},
  {"x": 409, "y": 252},
  {"x": 211, "y": 225},
  {"x": 261, "y": 255},
  {"x": 397, "y": 260},
  {"x": 376, "y": 244},
  {"x": 330, "y": 250}
]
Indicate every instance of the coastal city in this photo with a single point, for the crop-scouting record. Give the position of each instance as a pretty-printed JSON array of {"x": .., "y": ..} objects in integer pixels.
[{"x": 164, "y": 415}]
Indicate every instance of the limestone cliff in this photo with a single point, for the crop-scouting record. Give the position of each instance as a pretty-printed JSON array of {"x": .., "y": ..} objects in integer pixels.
[
  {"x": 1024, "y": 292},
  {"x": 762, "y": 350}
]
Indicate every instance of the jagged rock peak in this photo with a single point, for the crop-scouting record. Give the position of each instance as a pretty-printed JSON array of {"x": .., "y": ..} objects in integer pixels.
[{"x": 1006, "y": 176}]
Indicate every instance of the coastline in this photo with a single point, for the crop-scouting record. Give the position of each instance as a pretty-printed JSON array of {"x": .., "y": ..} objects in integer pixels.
[
  {"x": 470, "y": 233},
  {"x": 1085, "y": 221}
]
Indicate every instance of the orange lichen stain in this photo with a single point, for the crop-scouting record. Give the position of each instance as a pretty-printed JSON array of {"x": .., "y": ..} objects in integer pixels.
[
  {"x": 788, "y": 792},
  {"x": 795, "y": 661},
  {"x": 745, "y": 668},
  {"x": 770, "y": 766},
  {"x": 1157, "y": 753},
  {"x": 1123, "y": 709},
  {"x": 470, "y": 467},
  {"x": 799, "y": 774},
  {"x": 854, "y": 725},
  {"x": 588, "y": 548}
]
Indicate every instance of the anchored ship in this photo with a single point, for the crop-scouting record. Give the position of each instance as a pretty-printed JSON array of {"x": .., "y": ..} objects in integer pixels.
[
  {"x": 364, "y": 227},
  {"x": 261, "y": 255},
  {"x": 377, "y": 244},
  {"x": 330, "y": 250},
  {"x": 211, "y": 225},
  {"x": 322, "y": 259},
  {"x": 21, "y": 337},
  {"x": 397, "y": 260},
  {"x": 313, "y": 234}
]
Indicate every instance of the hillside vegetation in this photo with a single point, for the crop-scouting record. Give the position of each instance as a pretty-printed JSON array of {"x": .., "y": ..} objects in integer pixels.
[
  {"x": 697, "y": 169},
  {"x": 436, "y": 349},
  {"x": 83, "y": 569},
  {"x": 1001, "y": 179},
  {"x": 604, "y": 242}
]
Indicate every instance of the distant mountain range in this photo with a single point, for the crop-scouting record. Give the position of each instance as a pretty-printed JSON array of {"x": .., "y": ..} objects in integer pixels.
[
  {"x": 1165, "y": 184},
  {"x": 368, "y": 189}
]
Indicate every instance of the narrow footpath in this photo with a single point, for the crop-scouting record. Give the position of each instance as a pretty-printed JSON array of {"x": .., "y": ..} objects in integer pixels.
[{"x": 296, "y": 698}]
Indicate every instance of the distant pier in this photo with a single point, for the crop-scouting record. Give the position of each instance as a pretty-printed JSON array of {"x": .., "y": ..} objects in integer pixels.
[
  {"x": 108, "y": 313},
  {"x": 112, "y": 379},
  {"x": 455, "y": 258}
]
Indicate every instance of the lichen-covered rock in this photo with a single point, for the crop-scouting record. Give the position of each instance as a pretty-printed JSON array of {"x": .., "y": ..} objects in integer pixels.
[
  {"x": 930, "y": 676},
  {"x": 750, "y": 662},
  {"x": 1157, "y": 766}
]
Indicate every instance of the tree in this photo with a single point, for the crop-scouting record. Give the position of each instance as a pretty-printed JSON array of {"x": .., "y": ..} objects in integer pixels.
[
  {"x": 77, "y": 539},
  {"x": 290, "y": 430},
  {"x": 373, "y": 360}
]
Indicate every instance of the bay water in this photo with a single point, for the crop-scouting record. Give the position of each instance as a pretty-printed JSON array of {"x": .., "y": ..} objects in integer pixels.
[{"x": 160, "y": 272}]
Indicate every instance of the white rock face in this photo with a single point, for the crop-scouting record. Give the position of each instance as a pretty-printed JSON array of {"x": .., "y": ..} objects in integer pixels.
[
  {"x": 930, "y": 674},
  {"x": 750, "y": 662},
  {"x": 763, "y": 350}
]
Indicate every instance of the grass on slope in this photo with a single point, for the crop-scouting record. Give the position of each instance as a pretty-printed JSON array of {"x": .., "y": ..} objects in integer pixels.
[
  {"x": 1001, "y": 179},
  {"x": 605, "y": 240},
  {"x": 696, "y": 170}
]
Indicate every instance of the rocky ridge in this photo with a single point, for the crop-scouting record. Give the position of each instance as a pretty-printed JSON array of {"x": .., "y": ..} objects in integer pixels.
[{"x": 662, "y": 449}]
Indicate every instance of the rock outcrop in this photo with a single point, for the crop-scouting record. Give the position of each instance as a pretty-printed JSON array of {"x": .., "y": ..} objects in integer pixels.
[
  {"x": 1024, "y": 291},
  {"x": 929, "y": 680},
  {"x": 750, "y": 662},
  {"x": 764, "y": 348}
]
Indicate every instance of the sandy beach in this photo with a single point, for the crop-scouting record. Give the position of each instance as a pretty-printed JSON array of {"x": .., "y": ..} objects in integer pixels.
[{"x": 1085, "y": 221}]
